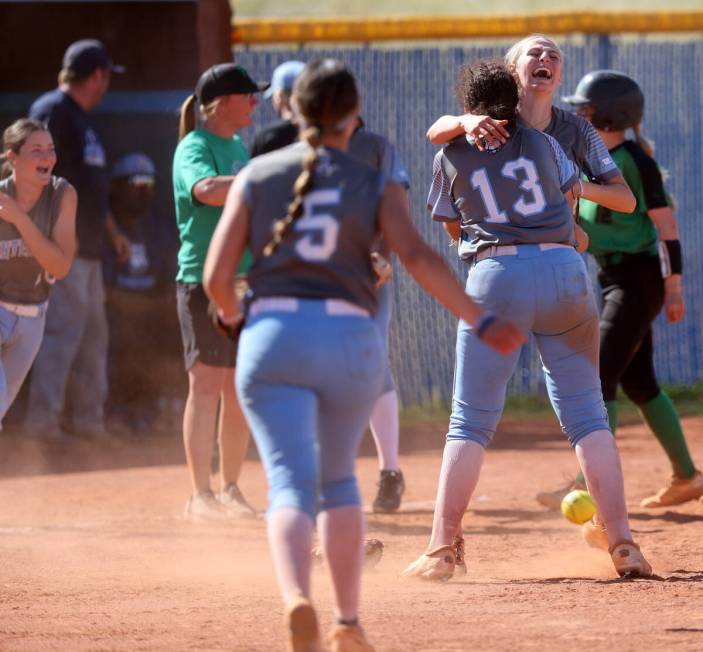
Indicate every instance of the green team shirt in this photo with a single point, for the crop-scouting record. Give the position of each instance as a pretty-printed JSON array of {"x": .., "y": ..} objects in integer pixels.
[
  {"x": 201, "y": 154},
  {"x": 611, "y": 232}
]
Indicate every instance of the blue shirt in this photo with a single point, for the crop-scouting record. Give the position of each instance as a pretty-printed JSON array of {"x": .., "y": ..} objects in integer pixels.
[{"x": 81, "y": 161}]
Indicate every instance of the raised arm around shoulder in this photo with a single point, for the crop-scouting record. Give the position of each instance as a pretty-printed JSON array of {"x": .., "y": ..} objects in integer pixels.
[
  {"x": 613, "y": 193},
  {"x": 445, "y": 129},
  {"x": 212, "y": 191},
  {"x": 226, "y": 249},
  {"x": 480, "y": 127},
  {"x": 432, "y": 273}
]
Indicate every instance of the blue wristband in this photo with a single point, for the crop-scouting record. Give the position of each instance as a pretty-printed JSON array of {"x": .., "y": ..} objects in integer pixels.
[{"x": 483, "y": 323}]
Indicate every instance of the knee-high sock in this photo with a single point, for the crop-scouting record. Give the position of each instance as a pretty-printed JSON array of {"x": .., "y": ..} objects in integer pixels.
[
  {"x": 660, "y": 415},
  {"x": 384, "y": 428},
  {"x": 461, "y": 467},
  {"x": 290, "y": 539},
  {"x": 600, "y": 461},
  {"x": 612, "y": 409},
  {"x": 342, "y": 538}
]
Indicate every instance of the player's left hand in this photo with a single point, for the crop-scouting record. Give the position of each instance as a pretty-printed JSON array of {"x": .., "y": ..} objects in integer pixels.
[
  {"x": 382, "y": 267},
  {"x": 9, "y": 209},
  {"x": 503, "y": 336},
  {"x": 122, "y": 246},
  {"x": 675, "y": 305}
]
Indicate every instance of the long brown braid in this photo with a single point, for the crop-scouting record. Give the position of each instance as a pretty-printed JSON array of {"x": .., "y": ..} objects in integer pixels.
[{"x": 324, "y": 94}]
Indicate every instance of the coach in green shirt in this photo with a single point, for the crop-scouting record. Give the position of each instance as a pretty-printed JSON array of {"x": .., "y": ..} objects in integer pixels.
[{"x": 205, "y": 164}]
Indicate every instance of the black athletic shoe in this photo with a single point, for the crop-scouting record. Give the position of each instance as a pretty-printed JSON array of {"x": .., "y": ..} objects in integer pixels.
[{"x": 390, "y": 489}]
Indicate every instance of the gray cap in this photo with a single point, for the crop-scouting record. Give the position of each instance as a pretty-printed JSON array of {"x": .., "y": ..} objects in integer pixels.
[
  {"x": 86, "y": 56},
  {"x": 134, "y": 164},
  {"x": 284, "y": 77}
]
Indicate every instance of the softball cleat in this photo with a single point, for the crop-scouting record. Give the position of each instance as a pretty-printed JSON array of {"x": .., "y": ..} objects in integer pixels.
[
  {"x": 676, "y": 492},
  {"x": 349, "y": 638},
  {"x": 552, "y": 499},
  {"x": 436, "y": 566},
  {"x": 301, "y": 622},
  {"x": 595, "y": 534},
  {"x": 629, "y": 560},
  {"x": 459, "y": 555}
]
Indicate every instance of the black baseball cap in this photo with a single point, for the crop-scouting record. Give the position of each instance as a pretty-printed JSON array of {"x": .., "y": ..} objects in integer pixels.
[
  {"x": 87, "y": 55},
  {"x": 226, "y": 79}
]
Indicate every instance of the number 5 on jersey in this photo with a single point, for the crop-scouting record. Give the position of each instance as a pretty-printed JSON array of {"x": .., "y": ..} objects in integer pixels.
[{"x": 320, "y": 228}]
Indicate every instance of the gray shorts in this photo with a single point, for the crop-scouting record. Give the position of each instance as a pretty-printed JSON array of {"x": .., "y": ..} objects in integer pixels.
[{"x": 201, "y": 340}]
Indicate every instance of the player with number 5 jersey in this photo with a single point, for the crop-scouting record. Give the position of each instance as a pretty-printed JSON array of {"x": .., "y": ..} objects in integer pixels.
[
  {"x": 509, "y": 208},
  {"x": 310, "y": 360}
]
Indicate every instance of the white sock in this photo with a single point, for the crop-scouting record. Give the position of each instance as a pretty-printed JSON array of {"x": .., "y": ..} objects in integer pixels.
[
  {"x": 384, "y": 428},
  {"x": 461, "y": 467},
  {"x": 290, "y": 539},
  {"x": 598, "y": 455},
  {"x": 342, "y": 538}
]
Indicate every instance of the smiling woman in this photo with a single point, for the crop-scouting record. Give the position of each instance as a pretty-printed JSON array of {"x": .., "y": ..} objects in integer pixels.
[
  {"x": 536, "y": 62},
  {"x": 37, "y": 244}
]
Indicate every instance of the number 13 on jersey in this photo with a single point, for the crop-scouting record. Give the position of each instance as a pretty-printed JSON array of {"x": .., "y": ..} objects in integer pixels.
[{"x": 531, "y": 203}]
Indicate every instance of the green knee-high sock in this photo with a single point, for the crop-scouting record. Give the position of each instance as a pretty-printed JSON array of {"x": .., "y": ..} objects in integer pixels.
[
  {"x": 660, "y": 414},
  {"x": 612, "y": 408}
]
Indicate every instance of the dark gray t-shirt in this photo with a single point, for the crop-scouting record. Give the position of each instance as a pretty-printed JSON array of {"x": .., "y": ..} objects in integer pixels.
[
  {"x": 513, "y": 195},
  {"x": 22, "y": 279},
  {"x": 325, "y": 254},
  {"x": 582, "y": 145}
]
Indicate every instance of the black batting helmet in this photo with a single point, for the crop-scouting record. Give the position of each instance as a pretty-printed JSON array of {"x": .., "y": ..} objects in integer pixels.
[{"x": 617, "y": 99}]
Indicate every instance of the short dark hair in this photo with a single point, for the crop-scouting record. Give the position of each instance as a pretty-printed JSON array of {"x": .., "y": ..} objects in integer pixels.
[{"x": 487, "y": 87}]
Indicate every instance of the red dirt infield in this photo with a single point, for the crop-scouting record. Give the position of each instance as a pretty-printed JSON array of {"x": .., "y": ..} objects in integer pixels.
[{"x": 95, "y": 555}]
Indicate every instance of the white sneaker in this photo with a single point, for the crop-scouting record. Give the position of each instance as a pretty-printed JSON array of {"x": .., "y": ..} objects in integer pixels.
[
  {"x": 235, "y": 503},
  {"x": 205, "y": 508}
]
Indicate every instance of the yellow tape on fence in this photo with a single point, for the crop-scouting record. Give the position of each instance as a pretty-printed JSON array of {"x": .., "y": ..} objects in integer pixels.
[{"x": 254, "y": 31}]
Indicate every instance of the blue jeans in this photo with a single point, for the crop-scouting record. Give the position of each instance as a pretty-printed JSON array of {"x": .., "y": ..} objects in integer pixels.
[
  {"x": 72, "y": 360},
  {"x": 549, "y": 294},
  {"x": 20, "y": 338},
  {"x": 307, "y": 383},
  {"x": 383, "y": 321}
]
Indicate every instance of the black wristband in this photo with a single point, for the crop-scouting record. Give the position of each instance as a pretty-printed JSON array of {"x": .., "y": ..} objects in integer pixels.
[
  {"x": 670, "y": 257},
  {"x": 484, "y": 321}
]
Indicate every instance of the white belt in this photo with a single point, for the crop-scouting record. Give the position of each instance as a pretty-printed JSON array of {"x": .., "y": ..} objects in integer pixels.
[
  {"x": 511, "y": 250},
  {"x": 333, "y": 307},
  {"x": 24, "y": 310}
]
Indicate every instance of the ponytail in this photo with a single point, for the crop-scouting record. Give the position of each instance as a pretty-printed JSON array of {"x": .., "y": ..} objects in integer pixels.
[
  {"x": 186, "y": 122},
  {"x": 313, "y": 137},
  {"x": 644, "y": 142}
]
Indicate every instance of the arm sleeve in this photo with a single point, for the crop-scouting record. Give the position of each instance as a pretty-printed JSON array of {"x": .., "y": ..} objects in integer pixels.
[
  {"x": 568, "y": 175},
  {"x": 196, "y": 164},
  {"x": 247, "y": 190},
  {"x": 396, "y": 169},
  {"x": 600, "y": 165},
  {"x": 439, "y": 199}
]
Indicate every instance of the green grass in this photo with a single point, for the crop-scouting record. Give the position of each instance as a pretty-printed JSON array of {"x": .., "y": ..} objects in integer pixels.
[
  {"x": 687, "y": 398},
  {"x": 301, "y": 8}
]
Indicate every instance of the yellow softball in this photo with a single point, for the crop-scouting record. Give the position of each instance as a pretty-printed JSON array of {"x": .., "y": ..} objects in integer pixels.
[{"x": 578, "y": 506}]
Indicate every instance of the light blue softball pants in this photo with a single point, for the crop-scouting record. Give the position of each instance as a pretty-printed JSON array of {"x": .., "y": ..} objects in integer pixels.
[
  {"x": 307, "y": 382},
  {"x": 547, "y": 293},
  {"x": 20, "y": 338}
]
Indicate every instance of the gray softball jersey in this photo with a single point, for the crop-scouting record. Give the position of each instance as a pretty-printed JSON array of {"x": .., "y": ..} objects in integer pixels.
[
  {"x": 582, "y": 145},
  {"x": 325, "y": 253},
  {"x": 22, "y": 279},
  {"x": 513, "y": 195},
  {"x": 377, "y": 152}
]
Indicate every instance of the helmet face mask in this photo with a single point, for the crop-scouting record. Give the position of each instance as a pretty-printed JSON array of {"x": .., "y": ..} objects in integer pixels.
[{"x": 615, "y": 100}]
